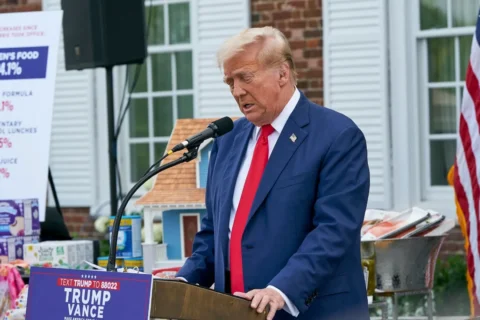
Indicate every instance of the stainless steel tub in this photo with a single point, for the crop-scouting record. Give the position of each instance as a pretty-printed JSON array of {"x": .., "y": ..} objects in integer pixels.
[{"x": 406, "y": 264}]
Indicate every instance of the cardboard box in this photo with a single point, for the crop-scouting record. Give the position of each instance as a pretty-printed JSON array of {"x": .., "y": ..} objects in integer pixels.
[
  {"x": 11, "y": 248},
  {"x": 59, "y": 254},
  {"x": 19, "y": 218}
]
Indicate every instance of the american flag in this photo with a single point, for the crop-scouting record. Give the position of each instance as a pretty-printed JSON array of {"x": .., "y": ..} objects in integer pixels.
[{"x": 466, "y": 172}]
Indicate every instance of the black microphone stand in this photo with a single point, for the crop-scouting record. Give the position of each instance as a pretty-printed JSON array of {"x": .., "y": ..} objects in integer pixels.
[{"x": 187, "y": 156}]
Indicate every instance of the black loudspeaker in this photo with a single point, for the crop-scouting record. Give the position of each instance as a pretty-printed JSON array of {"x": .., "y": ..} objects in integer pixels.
[{"x": 103, "y": 33}]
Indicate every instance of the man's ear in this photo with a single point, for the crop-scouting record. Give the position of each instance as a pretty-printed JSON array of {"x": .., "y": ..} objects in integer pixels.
[{"x": 284, "y": 74}]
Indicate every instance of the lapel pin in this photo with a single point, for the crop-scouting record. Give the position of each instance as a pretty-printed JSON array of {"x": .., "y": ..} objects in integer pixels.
[{"x": 293, "y": 137}]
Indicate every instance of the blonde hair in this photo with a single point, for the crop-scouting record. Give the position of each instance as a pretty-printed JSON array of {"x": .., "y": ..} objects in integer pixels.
[{"x": 275, "y": 50}]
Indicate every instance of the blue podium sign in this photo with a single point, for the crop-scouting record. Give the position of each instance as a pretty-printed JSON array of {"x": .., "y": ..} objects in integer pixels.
[{"x": 64, "y": 294}]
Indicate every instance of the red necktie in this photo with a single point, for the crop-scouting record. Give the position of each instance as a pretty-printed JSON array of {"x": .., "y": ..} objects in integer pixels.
[{"x": 259, "y": 161}]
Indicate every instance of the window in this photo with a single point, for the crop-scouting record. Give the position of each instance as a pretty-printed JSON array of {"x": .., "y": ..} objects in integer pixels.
[
  {"x": 445, "y": 38},
  {"x": 164, "y": 90}
]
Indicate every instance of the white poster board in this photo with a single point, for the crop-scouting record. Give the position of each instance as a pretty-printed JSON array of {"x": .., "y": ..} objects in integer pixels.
[{"x": 28, "y": 66}]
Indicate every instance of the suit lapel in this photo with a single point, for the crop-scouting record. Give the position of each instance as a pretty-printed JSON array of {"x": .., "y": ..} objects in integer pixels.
[
  {"x": 235, "y": 158},
  {"x": 288, "y": 142},
  {"x": 232, "y": 169}
]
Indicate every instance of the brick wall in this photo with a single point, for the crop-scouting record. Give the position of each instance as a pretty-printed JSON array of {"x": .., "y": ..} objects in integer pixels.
[
  {"x": 454, "y": 244},
  {"x": 301, "y": 22},
  {"x": 80, "y": 223},
  {"x": 20, "y": 5}
]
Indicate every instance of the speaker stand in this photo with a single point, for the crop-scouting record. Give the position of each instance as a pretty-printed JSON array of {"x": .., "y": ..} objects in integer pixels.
[{"x": 112, "y": 142}]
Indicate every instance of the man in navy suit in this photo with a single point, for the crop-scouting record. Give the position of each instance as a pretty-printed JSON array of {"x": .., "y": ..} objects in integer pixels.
[{"x": 286, "y": 194}]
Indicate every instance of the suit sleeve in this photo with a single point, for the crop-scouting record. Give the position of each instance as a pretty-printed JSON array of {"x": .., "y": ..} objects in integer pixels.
[
  {"x": 199, "y": 267},
  {"x": 339, "y": 210}
]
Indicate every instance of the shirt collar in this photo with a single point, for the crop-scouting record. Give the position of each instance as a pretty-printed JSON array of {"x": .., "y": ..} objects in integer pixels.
[{"x": 282, "y": 118}]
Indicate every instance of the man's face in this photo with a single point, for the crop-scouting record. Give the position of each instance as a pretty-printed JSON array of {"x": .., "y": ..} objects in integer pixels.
[{"x": 255, "y": 87}]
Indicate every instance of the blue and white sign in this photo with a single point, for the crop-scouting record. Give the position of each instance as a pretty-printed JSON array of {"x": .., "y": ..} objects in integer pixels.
[
  {"x": 28, "y": 67},
  {"x": 64, "y": 294},
  {"x": 23, "y": 63}
]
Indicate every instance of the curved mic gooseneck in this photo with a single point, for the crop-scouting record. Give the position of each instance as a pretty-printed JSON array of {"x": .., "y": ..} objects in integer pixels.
[
  {"x": 215, "y": 129},
  {"x": 187, "y": 156}
]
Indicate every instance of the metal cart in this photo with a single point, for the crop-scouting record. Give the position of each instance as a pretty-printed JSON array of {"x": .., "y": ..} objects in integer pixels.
[{"x": 407, "y": 267}]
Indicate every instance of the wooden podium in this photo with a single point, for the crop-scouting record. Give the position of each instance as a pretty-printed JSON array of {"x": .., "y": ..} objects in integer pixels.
[{"x": 179, "y": 300}]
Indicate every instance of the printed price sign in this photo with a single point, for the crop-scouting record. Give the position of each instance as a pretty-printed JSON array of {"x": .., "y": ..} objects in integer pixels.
[
  {"x": 23, "y": 63},
  {"x": 88, "y": 295},
  {"x": 28, "y": 69}
]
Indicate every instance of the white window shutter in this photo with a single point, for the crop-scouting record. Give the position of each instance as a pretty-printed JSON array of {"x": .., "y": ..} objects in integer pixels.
[
  {"x": 356, "y": 80},
  {"x": 214, "y": 22},
  {"x": 72, "y": 141}
]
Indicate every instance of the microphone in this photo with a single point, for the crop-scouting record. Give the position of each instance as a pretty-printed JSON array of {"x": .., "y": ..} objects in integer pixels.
[{"x": 215, "y": 129}]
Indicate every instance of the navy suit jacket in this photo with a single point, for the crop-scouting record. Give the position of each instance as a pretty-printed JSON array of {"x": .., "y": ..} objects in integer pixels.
[{"x": 303, "y": 232}]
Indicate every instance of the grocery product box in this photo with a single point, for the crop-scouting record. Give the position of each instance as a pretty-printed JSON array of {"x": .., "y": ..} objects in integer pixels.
[
  {"x": 11, "y": 248},
  {"x": 60, "y": 254},
  {"x": 103, "y": 262},
  {"x": 129, "y": 263},
  {"x": 85, "y": 250},
  {"x": 129, "y": 241},
  {"x": 31, "y": 239},
  {"x": 19, "y": 217}
]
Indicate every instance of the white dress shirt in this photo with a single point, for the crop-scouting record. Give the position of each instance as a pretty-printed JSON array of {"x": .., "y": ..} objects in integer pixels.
[{"x": 278, "y": 125}]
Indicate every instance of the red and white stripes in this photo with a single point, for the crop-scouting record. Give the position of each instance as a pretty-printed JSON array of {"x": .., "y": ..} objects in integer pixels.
[{"x": 467, "y": 172}]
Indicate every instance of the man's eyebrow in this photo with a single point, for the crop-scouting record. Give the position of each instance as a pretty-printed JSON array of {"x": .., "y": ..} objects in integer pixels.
[{"x": 241, "y": 74}]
